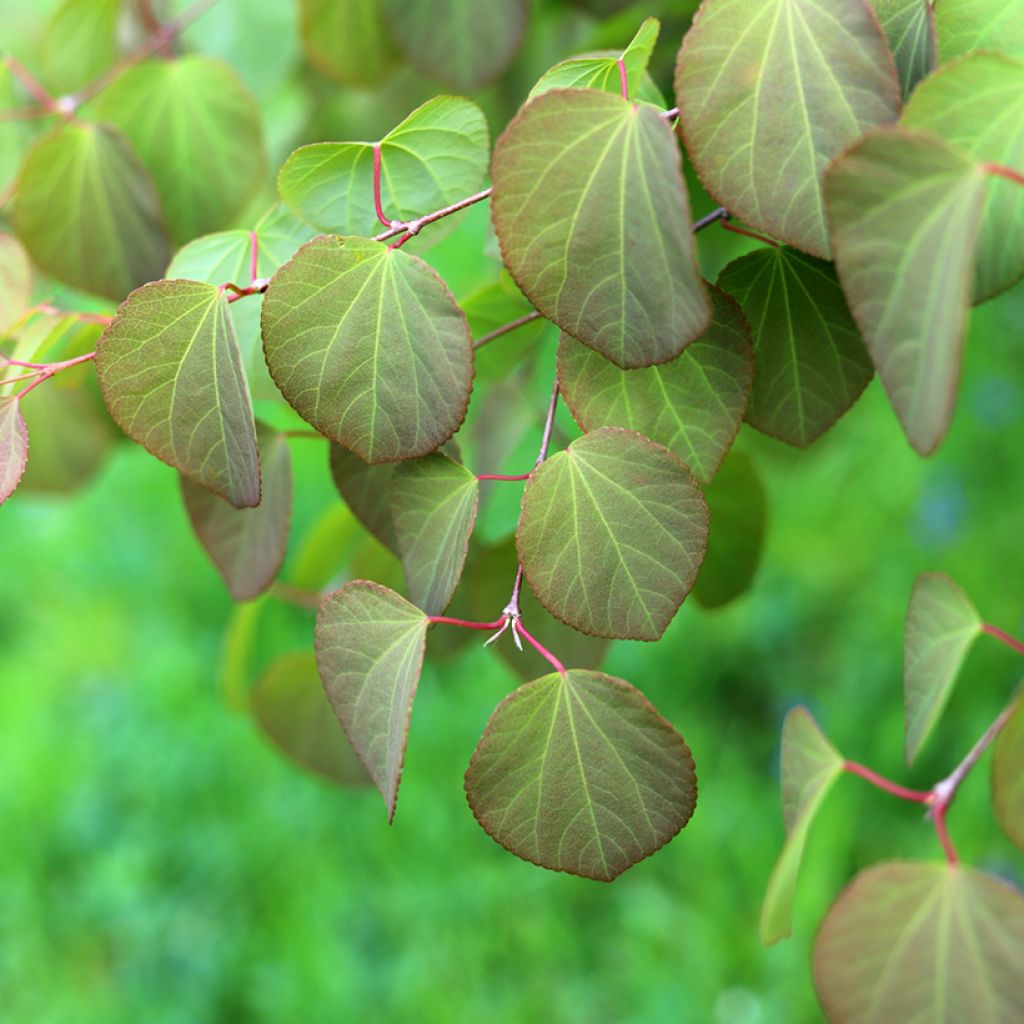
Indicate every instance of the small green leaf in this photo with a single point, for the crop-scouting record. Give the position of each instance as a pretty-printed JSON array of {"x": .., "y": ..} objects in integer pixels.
[
  {"x": 347, "y": 40},
  {"x": 367, "y": 345},
  {"x": 87, "y": 211},
  {"x": 13, "y": 446},
  {"x": 941, "y": 625},
  {"x": 909, "y": 27},
  {"x": 768, "y": 92},
  {"x": 366, "y": 490},
  {"x": 369, "y": 650},
  {"x": 921, "y": 941},
  {"x": 810, "y": 364},
  {"x": 693, "y": 404},
  {"x": 15, "y": 281},
  {"x": 905, "y": 210},
  {"x": 172, "y": 379},
  {"x": 966, "y": 25},
  {"x": 579, "y": 773},
  {"x": 1008, "y": 776},
  {"x": 591, "y": 213},
  {"x": 612, "y": 534},
  {"x": 810, "y": 766},
  {"x": 79, "y": 43}
]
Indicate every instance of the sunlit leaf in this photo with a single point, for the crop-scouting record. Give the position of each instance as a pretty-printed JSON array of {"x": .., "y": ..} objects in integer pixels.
[
  {"x": 368, "y": 346},
  {"x": 347, "y": 39},
  {"x": 591, "y": 213},
  {"x": 612, "y": 534},
  {"x": 966, "y": 25},
  {"x": 909, "y": 27},
  {"x": 768, "y": 92},
  {"x": 940, "y": 627},
  {"x": 87, "y": 211},
  {"x": 172, "y": 379},
  {"x": 13, "y": 446},
  {"x": 692, "y": 404},
  {"x": 810, "y": 766},
  {"x": 905, "y": 210},
  {"x": 810, "y": 364},
  {"x": 369, "y": 650},
  {"x": 580, "y": 773},
  {"x": 920, "y": 941},
  {"x": 1008, "y": 776},
  {"x": 15, "y": 281},
  {"x": 79, "y": 43}
]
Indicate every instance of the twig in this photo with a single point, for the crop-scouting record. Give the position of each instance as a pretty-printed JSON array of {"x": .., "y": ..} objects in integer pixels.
[
  {"x": 1000, "y": 634},
  {"x": 527, "y": 318},
  {"x": 413, "y": 227}
]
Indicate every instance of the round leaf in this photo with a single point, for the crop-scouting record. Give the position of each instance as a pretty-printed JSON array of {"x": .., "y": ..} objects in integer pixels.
[
  {"x": 79, "y": 43},
  {"x": 1008, "y": 776},
  {"x": 909, "y": 27},
  {"x": 966, "y": 25},
  {"x": 347, "y": 39},
  {"x": 13, "y": 446}
]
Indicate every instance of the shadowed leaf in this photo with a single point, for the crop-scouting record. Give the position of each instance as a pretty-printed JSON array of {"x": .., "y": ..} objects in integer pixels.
[
  {"x": 966, "y": 25},
  {"x": 366, "y": 490},
  {"x": 15, "y": 281},
  {"x": 1008, "y": 776},
  {"x": 909, "y": 27},
  {"x": 13, "y": 446},
  {"x": 347, "y": 39}
]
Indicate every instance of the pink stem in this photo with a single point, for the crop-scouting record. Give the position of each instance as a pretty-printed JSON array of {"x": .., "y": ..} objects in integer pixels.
[
  {"x": 916, "y": 795},
  {"x": 465, "y": 624},
  {"x": 749, "y": 234},
  {"x": 414, "y": 226},
  {"x": 405, "y": 238},
  {"x": 37, "y": 92},
  {"x": 999, "y": 634},
  {"x": 623, "y": 81},
  {"x": 258, "y": 287},
  {"x": 505, "y": 328},
  {"x": 502, "y": 476},
  {"x": 254, "y": 256},
  {"x": 939, "y": 821},
  {"x": 376, "y": 186},
  {"x": 518, "y": 626},
  {"x": 89, "y": 318},
  {"x": 1003, "y": 172},
  {"x": 669, "y": 115}
]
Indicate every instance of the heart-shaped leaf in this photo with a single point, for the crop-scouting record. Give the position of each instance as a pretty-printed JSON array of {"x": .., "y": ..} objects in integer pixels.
[
  {"x": 13, "y": 446},
  {"x": 1008, "y": 776},
  {"x": 369, "y": 650},
  {"x": 919, "y": 941},
  {"x": 909, "y": 27},
  {"x": 612, "y": 534},
  {"x": 768, "y": 92},
  {"x": 366, "y": 490},
  {"x": 367, "y": 345},
  {"x": 966, "y": 25},
  {"x": 15, "y": 281},
  {"x": 594, "y": 225},
  {"x": 79, "y": 44},
  {"x": 810, "y": 766},
  {"x": 579, "y": 773},
  {"x": 810, "y": 364},
  {"x": 693, "y": 404},
  {"x": 940, "y": 627},
  {"x": 347, "y": 39},
  {"x": 171, "y": 376}
]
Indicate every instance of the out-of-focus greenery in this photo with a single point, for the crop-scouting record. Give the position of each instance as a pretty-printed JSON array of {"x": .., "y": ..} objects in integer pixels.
[{"x": 160, "y": 862}]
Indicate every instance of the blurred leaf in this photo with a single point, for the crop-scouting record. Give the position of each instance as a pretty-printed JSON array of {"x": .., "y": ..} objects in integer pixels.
[
  {"x": 768, "y": 93},
  {"x": 347, "y": 40},
  {"x": 369, "y": 649},
  {"x": 87, "y": 211},
  {"x": 692, "y": 404},
  {"x": 941, "y": 625},
  {"x": 13, "y": 446},
  {"x": 594, "y": 224},
  {"x": 920, "y": 941},
  {"x": 322, "y": 550},
  {"x": 810, "y": 766},
  {"x": 966, "y": 25},
  {"x": 79, "y": 44},
  {"x": 172, "y": 379},
  {"x": 237, "y": 657},
  {"x": 810, "y": 364},
  {"x": 15, "y": 281},
  {"x": 14, "y": 135},
  {"x": 366, "y": 490},
  {"x": 579, "y": 773},
  {"x": 1008, "y": 776},
  {"x": 909, "y": 27}
]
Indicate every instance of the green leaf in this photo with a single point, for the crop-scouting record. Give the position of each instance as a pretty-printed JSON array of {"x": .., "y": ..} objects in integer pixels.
[
  {"x": 14, "y": 135},
  {"x": 966, "y": 25},
  {"x": 289, "y": 705},
  {"x": 247, "y": 545},
  {"x": 204, "y": 150},
  {"x": 920, "y": 941},
  {"x": 87, "y": 211},
  {"x": 433, "y": 507},
  {"x": 366, "y": 490},
  {"x": 905, "y": 210},
  {"x": 940, "y": 627},
  {"x": 738, "y": 506},
  {"x": 579, "y": 773},
  {"x": 810, "y": 766},
  {"x": 612, "y": 534},
  {"x": 909, "y": 27},
  {"x": 768, "y": 92},
  {"x": 810, "y": 364},
  {"x": 435, "y": 157},
  {"x": 957, "y": 104},
  {"x": 369, "y": 650},
  {"x": 347, "y": 40},
  {"x": 172, "y": 379},
  {"x": 1008, "y": 776},
  {"x": 465, "y": 44},
  {"x": 693, "y": 404},
  {"x": 15, "y": 281},
  {"x": 79, "y": 43},
  {"x": 367, "y": 345},
  {"x": 13, "y": 446}
]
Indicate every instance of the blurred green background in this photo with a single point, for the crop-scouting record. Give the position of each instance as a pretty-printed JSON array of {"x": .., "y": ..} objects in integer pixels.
[{"x": 160, "y": 862}]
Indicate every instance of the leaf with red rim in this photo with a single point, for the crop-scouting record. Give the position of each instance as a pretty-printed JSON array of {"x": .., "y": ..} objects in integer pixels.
[
  {"x": 1008, "y": 776},
  {"x": 13, "y": 446}
]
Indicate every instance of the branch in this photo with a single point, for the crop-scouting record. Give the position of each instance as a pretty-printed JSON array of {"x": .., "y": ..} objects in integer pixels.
[
  {"x": 413, "y": 227},
  {"x": 999, "y": 634},
  {"x": 42, "y": 371},
  {"x": 528, "y": 318}
]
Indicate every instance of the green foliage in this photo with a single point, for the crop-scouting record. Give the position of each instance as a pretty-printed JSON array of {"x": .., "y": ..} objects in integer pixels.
[
  {"x": 15, "y": 281},
  {"x": 1008, "y": 776},
  {"x": 909, "y": 27},
  {"x": 969, "y": 25},
  {"x": 13, "y": 446},
  {"x": 347, "y": 39}
]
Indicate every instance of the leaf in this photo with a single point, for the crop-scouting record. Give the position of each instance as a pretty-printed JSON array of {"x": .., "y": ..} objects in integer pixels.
[
  {"x": 693, "y": 404},
  {"x": 612, "y": 534},
  {"x": 737, "y": 503},
  {"x": 966, "y": 25},
  {"x": 594, "y": 225},
  {"x": 369, "y": 650},
  {"x": 172, "y": 379},
  {"x": 810, "y": 364},
  {"x": 956, "y": 103},
  {"x": 247, "y": 545},
  {"x": 79, "y": 43},
  {"x": 347, "y": 40},
  {"x": 920, "y": 941},
  {"x": 467, "y": 45},
  {"x": 579, "y": 773},
  {"x": 905, "y": 209},
  {"x": 87, "y": 211},
  {"x": 909, "y": 27},
  {"x": 433, "y": 507},
  {"x": 367, "y": 345},
  {"x": 1008, "y": 776},
  {"x": 940, "y": 627},
  {"x": 435, "y": 157},
  {"x": 13, "y": 446},
  {"x": 204, "y": 150},
  {"x": 14, "y": 135},
  {"x": 366, "y": 490},
  {"x": 810, "y": 766},
  {"x": 15, "y": 281},
  {"x": 768, "y": 92},
  {"x": 289, "y": 705}
]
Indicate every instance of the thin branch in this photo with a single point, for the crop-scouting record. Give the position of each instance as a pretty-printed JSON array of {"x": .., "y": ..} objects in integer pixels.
[
  {"x": 1000, "y": 634},
  {"x": 706, "y": 221},
  {"x": 520, "y": 629},
  {"x": 748, "y": 234},
  {"x": 946, "y": 789},
  {"x": 502, "y": 476},
  {"x": 413, "y": 227},
  {"x": 1003, "y": 172},
  {"x": 31, "y": 84},
  {"x": 46, "y": 370},
  {"x": 915, "y": 795},
  {"x": 527, "y": 318}
]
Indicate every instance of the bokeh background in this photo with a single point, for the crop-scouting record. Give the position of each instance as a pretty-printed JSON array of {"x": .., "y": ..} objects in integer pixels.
[{"x": 161, "y": 862}]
